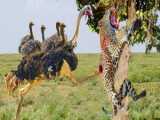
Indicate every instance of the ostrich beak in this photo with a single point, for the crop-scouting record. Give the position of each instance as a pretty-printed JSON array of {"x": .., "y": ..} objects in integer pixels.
[{"x": 88, "y": 14}]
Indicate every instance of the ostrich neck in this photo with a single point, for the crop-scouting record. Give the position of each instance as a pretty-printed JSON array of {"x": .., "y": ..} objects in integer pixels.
[
  {"x": 63, "y": 36},
  {"x": 57, "y": 27},
  {"x": 31, "y": 32},
  {"x": 75, "y": 36},
  {"x": 43, "y": 36}
]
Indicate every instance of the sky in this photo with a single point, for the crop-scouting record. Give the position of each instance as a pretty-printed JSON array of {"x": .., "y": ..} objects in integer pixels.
[{"x": 16, "y": 14}]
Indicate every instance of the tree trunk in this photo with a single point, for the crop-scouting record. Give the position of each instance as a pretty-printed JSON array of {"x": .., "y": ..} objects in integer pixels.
[
  {"x": 120, "y": 75},
  {"x": 121, "y": 72},
  {"x": 131, "y": 13}
]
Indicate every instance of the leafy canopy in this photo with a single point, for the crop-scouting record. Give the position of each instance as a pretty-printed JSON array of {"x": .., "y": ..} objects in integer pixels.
[{"x": 145, "y": 12}]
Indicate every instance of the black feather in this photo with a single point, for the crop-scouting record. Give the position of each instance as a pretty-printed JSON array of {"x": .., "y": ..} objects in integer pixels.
[
  {"x": 71, "y": 59},
  {"x": 29, "y": 67}
]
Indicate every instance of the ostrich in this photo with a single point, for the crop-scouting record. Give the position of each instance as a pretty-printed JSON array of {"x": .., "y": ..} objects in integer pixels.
[
  {"x": 29, "y": 36},
  {"x": 28, "y": 45},
  {"x": 70, "y": 63}
]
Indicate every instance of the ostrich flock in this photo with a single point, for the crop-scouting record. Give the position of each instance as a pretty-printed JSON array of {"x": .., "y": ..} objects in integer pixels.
[{"x": 45, "y": 60}]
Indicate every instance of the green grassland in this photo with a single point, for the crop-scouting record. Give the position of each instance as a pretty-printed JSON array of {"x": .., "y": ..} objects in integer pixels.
[{"x": 60, "y": 100}]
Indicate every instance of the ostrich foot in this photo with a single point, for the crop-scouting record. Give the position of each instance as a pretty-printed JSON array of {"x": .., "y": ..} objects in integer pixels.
[{"x": 74, "y": 81}]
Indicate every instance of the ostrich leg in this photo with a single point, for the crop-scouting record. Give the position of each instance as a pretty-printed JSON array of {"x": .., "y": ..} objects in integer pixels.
[
  {"x": 19, "y": 108},
  {"x": 66, "y": 71},
  {"x": 23, "y": 91}
]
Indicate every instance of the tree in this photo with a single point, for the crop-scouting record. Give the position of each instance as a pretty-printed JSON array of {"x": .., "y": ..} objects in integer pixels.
[{"x": 140, "y": 15}]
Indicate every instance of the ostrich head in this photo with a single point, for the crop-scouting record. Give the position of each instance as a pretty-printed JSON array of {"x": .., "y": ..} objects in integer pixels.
[
  {"x": 62, "y": 26},
  {"x": 87, "y": 11},
  {"x": 43, "y": 27},
  {"x": 31, "y": 24},
  {"x": 11, "y": 81}
]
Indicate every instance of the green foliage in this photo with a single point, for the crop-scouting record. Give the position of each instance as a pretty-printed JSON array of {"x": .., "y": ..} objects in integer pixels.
[
  {"x": 145, "y": 5},
  {"x": 82, "y": 3},
  {"x": 145, "y": 11},
  {"x": 149, "y": 20},
  {"x": 93, "y": 23}
]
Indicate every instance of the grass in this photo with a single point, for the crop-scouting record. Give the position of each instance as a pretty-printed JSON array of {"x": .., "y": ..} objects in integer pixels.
[{"x": 60, "y": 100}]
